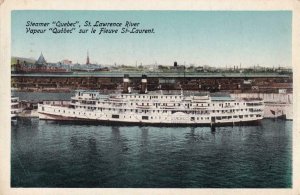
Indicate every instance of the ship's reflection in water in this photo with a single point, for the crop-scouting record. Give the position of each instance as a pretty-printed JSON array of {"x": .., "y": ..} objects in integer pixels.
[{"x": 55, "y": 154}]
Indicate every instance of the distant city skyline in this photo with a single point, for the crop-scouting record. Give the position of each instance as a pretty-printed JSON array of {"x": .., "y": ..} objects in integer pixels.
[{"x": 215, "y": 38}]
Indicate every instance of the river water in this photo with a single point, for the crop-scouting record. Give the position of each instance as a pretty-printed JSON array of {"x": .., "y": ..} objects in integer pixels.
[{"x": 58, "y": 154}]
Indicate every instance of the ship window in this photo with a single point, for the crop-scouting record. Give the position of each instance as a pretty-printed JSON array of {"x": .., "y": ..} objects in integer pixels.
[
  {"x": 192, "y": 118},
  {"x": 115, "y": 116},
  {"x": 201, "y": 118},
  {"x": 246, "y": 116},
  {"x": 229, "y": 117},
  {"x": 43, "y": 109},
  {"x": 145, "y": 117}
]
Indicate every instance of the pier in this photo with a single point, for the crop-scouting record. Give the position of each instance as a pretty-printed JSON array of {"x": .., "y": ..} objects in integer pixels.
[{"x": 230, "y": 82}]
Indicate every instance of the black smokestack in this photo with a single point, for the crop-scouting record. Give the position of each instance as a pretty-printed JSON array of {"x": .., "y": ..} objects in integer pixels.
[
  {"x": 144, "y": 84},
  {"x": 125, "y": 83}
]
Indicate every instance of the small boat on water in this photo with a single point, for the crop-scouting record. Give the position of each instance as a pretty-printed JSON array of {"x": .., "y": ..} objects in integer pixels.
[{"x": 15, "y": 110}]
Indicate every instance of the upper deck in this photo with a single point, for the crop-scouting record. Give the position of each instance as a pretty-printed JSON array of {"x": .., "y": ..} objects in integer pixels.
[{"x": 91, "y": 97}]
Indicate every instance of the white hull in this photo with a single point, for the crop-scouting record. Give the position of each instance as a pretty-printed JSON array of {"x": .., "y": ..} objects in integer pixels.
[{"x": 48, "y": 112}]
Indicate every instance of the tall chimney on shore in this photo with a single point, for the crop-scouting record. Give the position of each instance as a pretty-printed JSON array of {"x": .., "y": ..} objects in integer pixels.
[
  {"x": 144, "y": 84},
  {"x": 88, "y": 58},
  {"x": 125, "y": 83}
]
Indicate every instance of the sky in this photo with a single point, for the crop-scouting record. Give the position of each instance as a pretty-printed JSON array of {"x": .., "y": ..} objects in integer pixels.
[{"x": 216, "y": 38}]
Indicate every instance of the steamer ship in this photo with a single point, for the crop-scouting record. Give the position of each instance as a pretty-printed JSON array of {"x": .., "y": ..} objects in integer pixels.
[{"x": 155, "y": 108}]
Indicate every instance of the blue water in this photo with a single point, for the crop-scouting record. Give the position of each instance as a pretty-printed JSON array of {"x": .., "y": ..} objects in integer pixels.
[{"x": 51, "y": 154}]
